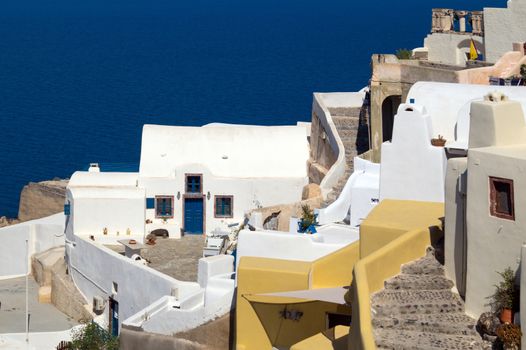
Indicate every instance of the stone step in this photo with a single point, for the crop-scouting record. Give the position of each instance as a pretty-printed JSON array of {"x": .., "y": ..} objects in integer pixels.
[
  {"x": 454, "y": 323},
  {"x": 348, "y": 112},
  {"x": 393, "y": 303},
  {"x": 411, "y": 340},
  {"x": 427, "y": 282},
  {"x": 427, "y": 265},
  {"x": 388, "y": 296}
]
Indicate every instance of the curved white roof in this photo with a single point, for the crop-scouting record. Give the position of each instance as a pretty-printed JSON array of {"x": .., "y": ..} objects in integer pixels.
[
  {"x": 228, "y": 151},
  {"x": 95, "y": 179},
  {"x": 448, "y": 104}
]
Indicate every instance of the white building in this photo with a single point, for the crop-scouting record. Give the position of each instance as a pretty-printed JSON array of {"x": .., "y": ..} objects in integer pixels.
[
  {"x": 411, "y": 168},
  {"x": 191, "y": 179},
  {"x": 484, "y": 201}
]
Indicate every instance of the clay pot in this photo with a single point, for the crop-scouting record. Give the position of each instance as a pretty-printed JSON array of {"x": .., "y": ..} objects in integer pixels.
[
  {"x": 438, "y": 142},
  {"x": 506, "y": 316}
]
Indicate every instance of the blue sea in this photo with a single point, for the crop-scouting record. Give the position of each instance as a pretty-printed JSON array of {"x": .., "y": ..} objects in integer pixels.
[{"x": 78, "y": 79}]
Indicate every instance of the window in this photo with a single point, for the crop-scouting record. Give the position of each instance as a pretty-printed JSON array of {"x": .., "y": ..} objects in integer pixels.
[
  {"x": 501, "y": 198},
  {"x": 193, "y": 184},
  {"x": 224, "y": 206},
  {"x": 164, "y": 206},
  {"x": 67, "y": 208}
]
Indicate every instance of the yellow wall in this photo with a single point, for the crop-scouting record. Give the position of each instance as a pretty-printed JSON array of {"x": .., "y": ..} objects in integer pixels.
[
  {"x": 335, "y": 270},
  {"x": 261, "y": 275},
  {"x": 395, "y": 232},
  {"x": 333, "y": 339},
  {"x": 392, "y": 218},
  {"x": 387, "y": 247}
]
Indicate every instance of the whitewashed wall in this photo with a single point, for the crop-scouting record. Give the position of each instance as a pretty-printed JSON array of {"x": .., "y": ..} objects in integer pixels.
[
  {"x": 95, "y": 268},
  {"x": 451, "y": 48},
  {"x": 249, "y": 193},
  {"x": 168, "y": 315},
  {"x": 493, "y": 243},
  {"x": 448, "y": 105},
  {"x": 116, "y": 210},
  {"x": 361, "y": 193},
  {"x": 338, "y": 168},
  {"x": 42, "y": 235},
  {"x": 503, "y": 27},
  {"x": 411, "y": 168},
  {"x": 289, "y": 246}
]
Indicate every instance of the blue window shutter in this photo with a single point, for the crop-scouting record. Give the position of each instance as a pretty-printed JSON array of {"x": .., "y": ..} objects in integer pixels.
[
  {"x": 67, "y": 209},
  {"x": 150, "y": 203}
]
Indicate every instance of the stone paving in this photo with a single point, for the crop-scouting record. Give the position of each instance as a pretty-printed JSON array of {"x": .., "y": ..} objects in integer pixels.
[
  {"x": 177, "y": 258},
  {"x": 418, "y": 310},
  {"x": 348, "y": 122}
]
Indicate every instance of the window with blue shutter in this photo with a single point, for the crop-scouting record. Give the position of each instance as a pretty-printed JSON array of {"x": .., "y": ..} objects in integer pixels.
[
  {"x": 150, "y": 203},
  {"x": 164, "y": 206},
  {"x": 224, "y": 206}
]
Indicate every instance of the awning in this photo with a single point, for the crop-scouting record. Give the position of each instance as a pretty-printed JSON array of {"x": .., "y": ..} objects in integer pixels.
[{"x": 330, "y": 295}]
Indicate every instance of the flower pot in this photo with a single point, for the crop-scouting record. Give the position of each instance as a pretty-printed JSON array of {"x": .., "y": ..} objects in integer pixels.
[
  {"x": 438, "y": 142},
  {"x": 506, "y": 316}
]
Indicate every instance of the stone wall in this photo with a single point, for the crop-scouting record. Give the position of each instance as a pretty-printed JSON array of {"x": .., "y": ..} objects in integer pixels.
[
  {"x": 322, "y": 156},
  {"x": 393, "y": 78}
]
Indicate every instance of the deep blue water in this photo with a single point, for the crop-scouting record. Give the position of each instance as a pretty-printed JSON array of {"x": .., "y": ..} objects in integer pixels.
[{"x": 79, "y": 79}]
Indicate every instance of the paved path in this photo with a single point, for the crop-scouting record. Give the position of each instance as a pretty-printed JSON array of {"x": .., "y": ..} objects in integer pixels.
[
  {"x": 44, "y": 317},
  {"x": 177, "y": 258}
]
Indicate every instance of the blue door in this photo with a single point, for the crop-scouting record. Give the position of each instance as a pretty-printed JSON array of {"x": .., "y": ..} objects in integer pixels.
[
  {"x": 193, "y": 215},
  {"x": 114, "y": 317}
]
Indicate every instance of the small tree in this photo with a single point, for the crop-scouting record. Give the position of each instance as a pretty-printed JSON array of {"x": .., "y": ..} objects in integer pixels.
[
  {"x": 404, "y": 54},
  {"x": 93, "y": 337},
  {"x": 308, "y": 218},
  {"x": 506, "y": 293}
]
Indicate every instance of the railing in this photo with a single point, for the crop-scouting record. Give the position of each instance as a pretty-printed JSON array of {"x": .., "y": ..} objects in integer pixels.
[{"x": 457, "y": 21}]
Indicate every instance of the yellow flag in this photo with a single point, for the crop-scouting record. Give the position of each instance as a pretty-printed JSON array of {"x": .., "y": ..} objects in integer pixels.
[{"x": 473, "y": 55}]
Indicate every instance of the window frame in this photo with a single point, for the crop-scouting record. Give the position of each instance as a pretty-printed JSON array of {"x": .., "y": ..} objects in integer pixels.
[
  {"x": 172, "y": 206},
  {"x": 216, "y": 197},
  {"x": 493, "y": 198},
  {"x": 200, "y": 176}
]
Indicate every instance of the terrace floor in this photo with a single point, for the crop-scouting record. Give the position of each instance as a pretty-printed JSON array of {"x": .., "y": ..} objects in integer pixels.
[
  {"x": 177, "y": 258},
  {"x": 43, "y": 317}
]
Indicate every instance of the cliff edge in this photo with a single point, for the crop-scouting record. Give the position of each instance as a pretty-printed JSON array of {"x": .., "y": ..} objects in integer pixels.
[{"x": 40, "y": 199}]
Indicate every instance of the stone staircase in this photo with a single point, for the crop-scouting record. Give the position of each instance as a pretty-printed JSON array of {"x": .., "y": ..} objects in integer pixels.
[
  {"x": 351, "y": 124},
  {"x": 418, "y": 310}
]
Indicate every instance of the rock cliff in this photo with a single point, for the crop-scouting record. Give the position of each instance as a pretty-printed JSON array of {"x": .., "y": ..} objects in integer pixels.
[{"x": 40, "y": 199}]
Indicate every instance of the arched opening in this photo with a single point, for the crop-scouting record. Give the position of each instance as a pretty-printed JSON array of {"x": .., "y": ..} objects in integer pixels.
[
  {"x": 389, "y": 108},
  {"x": 463, "y": 50}
]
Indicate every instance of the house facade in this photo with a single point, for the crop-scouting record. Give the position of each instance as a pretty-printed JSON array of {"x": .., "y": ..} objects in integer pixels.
[{"x": 193, "y": 180}]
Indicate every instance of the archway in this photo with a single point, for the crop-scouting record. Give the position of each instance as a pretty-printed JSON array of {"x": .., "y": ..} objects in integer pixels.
[{"x": 389, "y": 108}]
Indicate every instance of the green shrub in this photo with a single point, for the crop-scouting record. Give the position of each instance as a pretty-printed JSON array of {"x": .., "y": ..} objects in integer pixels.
[
  {"x": 308, "y": 217},
  {"x": 506, "y": 293},
  {"x": 93, "y": 337},
  {"x": 404, "y": 54}
]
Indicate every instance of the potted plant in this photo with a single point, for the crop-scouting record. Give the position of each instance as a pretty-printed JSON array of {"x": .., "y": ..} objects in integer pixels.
[
  {"x": 510, "y": 336},
  {"x": 504, "y": 298},
  {"x": 308, "y": 220},
  {"x": 439, "y": 141}
]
